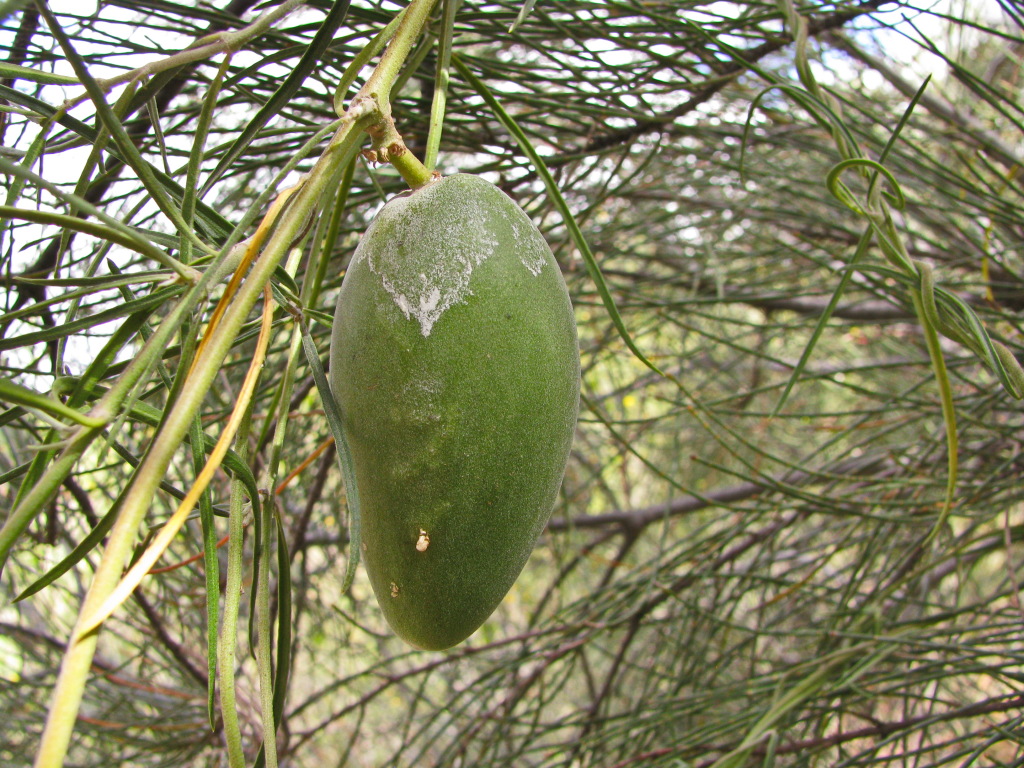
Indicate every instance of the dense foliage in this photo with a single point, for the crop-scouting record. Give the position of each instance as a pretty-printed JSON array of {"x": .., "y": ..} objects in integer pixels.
[{"x": 790, "y": 528}]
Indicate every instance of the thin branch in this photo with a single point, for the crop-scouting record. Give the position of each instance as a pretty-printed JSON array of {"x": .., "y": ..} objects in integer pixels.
[
  {"x": 638, "y": 518},
  {"x": 725, "y": 75}
]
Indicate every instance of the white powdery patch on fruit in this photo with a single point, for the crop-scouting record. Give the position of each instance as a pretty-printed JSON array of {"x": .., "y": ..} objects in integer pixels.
[
  {"x": 529, "y": 243},
  {"x": 420, "y": 401},
  {"x": 429, "y": 258}
]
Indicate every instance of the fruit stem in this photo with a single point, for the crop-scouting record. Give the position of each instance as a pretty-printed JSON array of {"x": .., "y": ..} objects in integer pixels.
[
  {"x": 388, "y": 147},
  {"x": 413, "y": 171},
  {"x": 375, "y": 94}
]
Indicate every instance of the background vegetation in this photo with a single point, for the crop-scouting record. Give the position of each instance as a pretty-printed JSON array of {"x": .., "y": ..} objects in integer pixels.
[{"x": 764, "y": 554}]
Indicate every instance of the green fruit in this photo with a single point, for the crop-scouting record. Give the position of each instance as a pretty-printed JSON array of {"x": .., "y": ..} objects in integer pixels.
[{"x": 455, "y": 364}]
